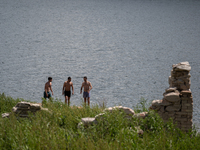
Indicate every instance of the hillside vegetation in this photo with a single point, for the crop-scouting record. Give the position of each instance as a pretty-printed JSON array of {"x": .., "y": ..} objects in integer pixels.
[{"x": 57, "y": 129}]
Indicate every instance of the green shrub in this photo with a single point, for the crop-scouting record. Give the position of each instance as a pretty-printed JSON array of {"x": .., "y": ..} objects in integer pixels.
[
  {"x": 7, "y": 103},
  {"x": 57, "y": 129}
]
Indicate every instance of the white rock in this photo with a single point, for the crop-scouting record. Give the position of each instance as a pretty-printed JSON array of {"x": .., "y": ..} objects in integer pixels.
[
  {"x": 110, "y": 109},
  {"x": 126, "y": 110},
  {"x": 141, "y": 115},
  {"x": 14, "y": 109},
  {"x": 88, "y": 121},
  {"x": 4, "y": 115}
]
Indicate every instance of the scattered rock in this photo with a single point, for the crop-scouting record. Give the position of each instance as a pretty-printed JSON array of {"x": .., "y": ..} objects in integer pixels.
[
  {"x": 88, "y": 121},
  {"x": 5, "y": 115}
]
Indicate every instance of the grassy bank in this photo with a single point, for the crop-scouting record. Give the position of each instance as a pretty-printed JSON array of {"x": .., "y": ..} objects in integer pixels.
[{"x": 58, "y": 130}]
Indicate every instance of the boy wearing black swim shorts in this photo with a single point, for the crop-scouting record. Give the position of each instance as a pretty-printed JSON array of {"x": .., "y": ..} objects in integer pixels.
[{"x": 67, "y": 86}]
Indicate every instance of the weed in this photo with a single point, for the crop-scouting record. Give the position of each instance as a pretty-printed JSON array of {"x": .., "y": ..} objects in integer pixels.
[{"x": 58, "y": 129}]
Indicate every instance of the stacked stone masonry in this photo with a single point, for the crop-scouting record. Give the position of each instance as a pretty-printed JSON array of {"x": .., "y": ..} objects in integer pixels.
[
  {"x": 23, "y": 109},
  {"x": 177, "y": 102}
]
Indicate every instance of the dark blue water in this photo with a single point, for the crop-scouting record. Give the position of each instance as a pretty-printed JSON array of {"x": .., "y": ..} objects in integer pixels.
[{"x": 125, "y": 47}]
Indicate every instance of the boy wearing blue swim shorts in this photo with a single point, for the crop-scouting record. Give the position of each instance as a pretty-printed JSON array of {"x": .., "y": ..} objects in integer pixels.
[{"x": 87, "y": 87}]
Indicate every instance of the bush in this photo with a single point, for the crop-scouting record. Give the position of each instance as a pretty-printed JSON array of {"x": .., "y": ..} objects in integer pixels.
[
  {"x": 57, "y": 129},
  {"x": 7, "y": 103}
]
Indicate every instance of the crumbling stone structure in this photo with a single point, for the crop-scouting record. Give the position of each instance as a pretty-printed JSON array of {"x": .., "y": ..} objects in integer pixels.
[
  {"x": 23, "y": 109},
  {"x": 177, "y": 102}
]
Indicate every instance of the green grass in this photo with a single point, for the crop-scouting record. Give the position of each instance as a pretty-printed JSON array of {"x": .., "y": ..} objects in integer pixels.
[{"x": 58, "y": 130}]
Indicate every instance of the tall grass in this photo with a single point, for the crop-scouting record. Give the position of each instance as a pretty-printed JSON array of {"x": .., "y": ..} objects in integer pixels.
[
  {"x": 57, "y": 129},
  {"x": 7, "y": 103}
]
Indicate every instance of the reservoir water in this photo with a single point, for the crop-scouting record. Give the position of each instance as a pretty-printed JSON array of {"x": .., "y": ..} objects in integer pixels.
[{"x": 125, "y": 47}]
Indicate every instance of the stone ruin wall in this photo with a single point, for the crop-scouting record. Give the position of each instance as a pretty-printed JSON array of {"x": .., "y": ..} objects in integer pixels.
[
  {"x": 177, "y": 102},
  {"x": 24, "y": 109}
]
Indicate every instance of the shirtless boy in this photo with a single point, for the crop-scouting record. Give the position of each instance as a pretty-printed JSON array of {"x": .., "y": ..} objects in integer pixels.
[
  {"x": 87, "y": 87},
  {"x": 47, "y": 88},
  {"x": 67, "y": 90}
]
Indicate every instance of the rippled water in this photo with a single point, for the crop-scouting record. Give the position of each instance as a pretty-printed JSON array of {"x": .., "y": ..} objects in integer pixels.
[{"x": 125, "y": 47}]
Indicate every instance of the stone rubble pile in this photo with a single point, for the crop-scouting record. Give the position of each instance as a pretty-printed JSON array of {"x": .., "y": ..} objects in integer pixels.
[
  {"x": 89, "y": 121},
  {"x": 22, "y": 109},
  {"x": 129, "y": 113},
  {"x": 177, "y": 102}
]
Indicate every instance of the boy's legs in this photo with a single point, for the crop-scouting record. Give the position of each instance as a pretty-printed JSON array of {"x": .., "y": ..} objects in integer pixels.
[
  {"x": 88, "y": 101},
  {"x": 66, "y": 99},
  {"x": 85, "y": 100}
]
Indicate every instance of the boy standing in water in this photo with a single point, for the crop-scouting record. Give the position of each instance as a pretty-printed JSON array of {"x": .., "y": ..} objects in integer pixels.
[
  {"x": 67, "y": 90},
  {"x": 87, "y": 87},
  {"x": 47, "y": 88}
]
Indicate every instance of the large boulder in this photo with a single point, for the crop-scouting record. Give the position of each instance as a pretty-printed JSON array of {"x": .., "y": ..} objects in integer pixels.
[{"x": 172, "y": 97}]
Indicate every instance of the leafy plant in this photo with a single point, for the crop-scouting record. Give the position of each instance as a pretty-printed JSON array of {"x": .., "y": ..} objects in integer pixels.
[{"x": 57, "y": 129}]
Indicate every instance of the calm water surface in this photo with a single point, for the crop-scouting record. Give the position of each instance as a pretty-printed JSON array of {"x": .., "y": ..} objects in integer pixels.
[{"x": 125, "y": 47}]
